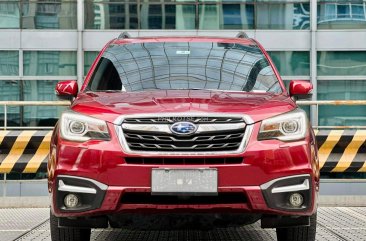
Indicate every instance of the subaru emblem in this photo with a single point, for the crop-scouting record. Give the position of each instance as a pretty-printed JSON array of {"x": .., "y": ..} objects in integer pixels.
[{"x": 183, "y": 128}]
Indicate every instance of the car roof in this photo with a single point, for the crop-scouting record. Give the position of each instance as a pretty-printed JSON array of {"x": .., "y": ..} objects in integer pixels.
[{"x": 243, "y": 41}]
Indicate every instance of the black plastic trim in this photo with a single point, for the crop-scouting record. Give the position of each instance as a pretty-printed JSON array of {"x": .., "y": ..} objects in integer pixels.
[
  {"x": 279, "y": 201},
  {"x": 88, "y": 201}
]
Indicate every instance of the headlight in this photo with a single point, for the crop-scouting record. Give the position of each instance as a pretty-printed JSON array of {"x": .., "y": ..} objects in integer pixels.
[
  {"x": 76, "y": 127},
  {"x": 287, "y": 127}
]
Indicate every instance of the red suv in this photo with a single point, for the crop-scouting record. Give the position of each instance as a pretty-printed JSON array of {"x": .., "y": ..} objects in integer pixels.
[{"x": 180, "y": 132}]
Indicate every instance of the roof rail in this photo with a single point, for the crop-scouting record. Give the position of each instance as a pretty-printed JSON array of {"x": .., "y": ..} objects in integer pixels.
[
  {"x": 242, "y": 34},
  {"x": 124, "y": 35}
]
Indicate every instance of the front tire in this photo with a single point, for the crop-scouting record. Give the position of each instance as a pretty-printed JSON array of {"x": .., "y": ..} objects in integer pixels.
[
  {"x": 67, "y": 234},
  {"x": 305, "y": 233}
]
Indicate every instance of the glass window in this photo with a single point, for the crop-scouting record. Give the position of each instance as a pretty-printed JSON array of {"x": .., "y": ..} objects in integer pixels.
[
  {"x": 9, "y": 14},
  {"x": 271, "y": 15},
  {"x": 291, "y": 63},
  {"x": 9, "y": 63},
  {"x": 54, "y": 14},
  {"x": 89, "y": 57},
  {"x": 115, "y": 15},
  {"x": 41, "y": 90},
  {"x": 342, "y": 15},
  {"x": 167, "y": 16},
  {"x": 342, "y": 63},
  {"x": 51, "y": 63},
  {"x": 210, "y": 15},
  {"x": 226, "y": 16},
  {"x": 10, "y": 90},
  {"x": 358, "y": 11},
  {"x": 342, "y": 90},
  {"x": 182, "y": 65}
]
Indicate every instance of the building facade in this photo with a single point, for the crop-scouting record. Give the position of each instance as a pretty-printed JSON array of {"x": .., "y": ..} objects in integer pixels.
[{"x": 45, "y": 41}]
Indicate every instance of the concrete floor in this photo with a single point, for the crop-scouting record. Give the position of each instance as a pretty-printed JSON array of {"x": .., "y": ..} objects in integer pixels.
[{"x": 334, "y": 223}]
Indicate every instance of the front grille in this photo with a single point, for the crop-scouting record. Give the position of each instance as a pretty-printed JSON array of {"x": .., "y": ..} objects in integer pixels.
[
  {"x": 214, "y": 141},
  {"x": 147, "y": 198},
  {"x": 195, "y": 119},
  {"x": 212, "y": 134},
  {"x": 183, "y": 161}
]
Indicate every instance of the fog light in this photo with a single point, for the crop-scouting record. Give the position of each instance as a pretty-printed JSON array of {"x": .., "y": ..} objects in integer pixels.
[
  {"x": 296, "y": 200},
  {"x": 71, "y": 200}
]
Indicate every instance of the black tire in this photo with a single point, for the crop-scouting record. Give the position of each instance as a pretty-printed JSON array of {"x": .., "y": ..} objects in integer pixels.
[
  {"x": 298, "y": 233},
  {"x": 67, "y": 234}
]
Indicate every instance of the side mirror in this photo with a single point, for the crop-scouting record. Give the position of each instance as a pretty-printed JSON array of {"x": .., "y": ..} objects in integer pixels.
[
  {"x": 66, "y": 90},
  {"x": 300, "y": 89}
]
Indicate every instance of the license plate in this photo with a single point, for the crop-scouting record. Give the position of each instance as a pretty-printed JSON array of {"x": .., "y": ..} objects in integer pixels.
[{"x": 184, "y": 181}]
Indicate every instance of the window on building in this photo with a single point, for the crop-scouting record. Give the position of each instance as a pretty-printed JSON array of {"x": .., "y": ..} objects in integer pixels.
[
  {"x": 167, "y": 16},
  {"x": 342, "y": 90},
  {"x": 292, "y": 63},
  {"x": 89, "y": 57},
  {"x": 9, "y": 14},
  {"x": 29, "y": 90},
  {"x": 10, "y": 91},
  {"x": 40, "y": 90},
  {"x": 282, "y": 15},
  {"x": 56, "y": 14},
  {"x": 9, "y": 63},
  {"x": 342, "y": 14},
  {"x": 342, "y": 63},
  {"x": 110, "y": 15},
  {"x": 49, "y": 63},
  {"x": 197, "y": 14},
  {"x": 226, "y": 16}
]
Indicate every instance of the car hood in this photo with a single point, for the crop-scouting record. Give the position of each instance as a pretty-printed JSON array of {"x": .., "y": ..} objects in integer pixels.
[{"x": 109, "y": 106}]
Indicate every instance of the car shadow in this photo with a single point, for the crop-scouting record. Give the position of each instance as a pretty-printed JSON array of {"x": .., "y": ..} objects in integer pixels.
[{"x": 248, "y": 233}]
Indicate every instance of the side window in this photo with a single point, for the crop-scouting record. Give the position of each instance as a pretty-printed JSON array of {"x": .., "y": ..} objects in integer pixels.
[{"x": 105, "y": 77}]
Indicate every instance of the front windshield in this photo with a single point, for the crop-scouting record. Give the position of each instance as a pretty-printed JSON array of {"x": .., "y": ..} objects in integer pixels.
[{"x": 184, "y": 65}]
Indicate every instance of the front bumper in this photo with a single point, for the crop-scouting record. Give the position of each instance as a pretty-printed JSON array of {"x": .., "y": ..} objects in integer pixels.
[
  {"x": 97, "y": 199},
  {"x": 126, "y": 188}
]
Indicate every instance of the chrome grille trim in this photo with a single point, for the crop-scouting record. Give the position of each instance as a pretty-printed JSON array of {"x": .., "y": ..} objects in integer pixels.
[
  {"x": 195, "y": 120},
  {"x": 164, "y": 128},
  {"x": 121, "y": 119},
  {"x": 172, "y": 138},
  {"x": 247, "y": 121}
]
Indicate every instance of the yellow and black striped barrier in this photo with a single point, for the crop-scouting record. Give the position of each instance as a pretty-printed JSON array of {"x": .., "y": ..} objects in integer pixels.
[
  {"x": 24, "y": 151},
  {"x": 27, "y": 151},
  {"x": 341, "y": 150}
]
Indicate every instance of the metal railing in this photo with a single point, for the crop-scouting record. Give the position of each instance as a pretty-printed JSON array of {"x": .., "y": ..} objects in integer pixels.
[
  {"x": 6, "y": 104},
  {"x": 316, "y": 103}
]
